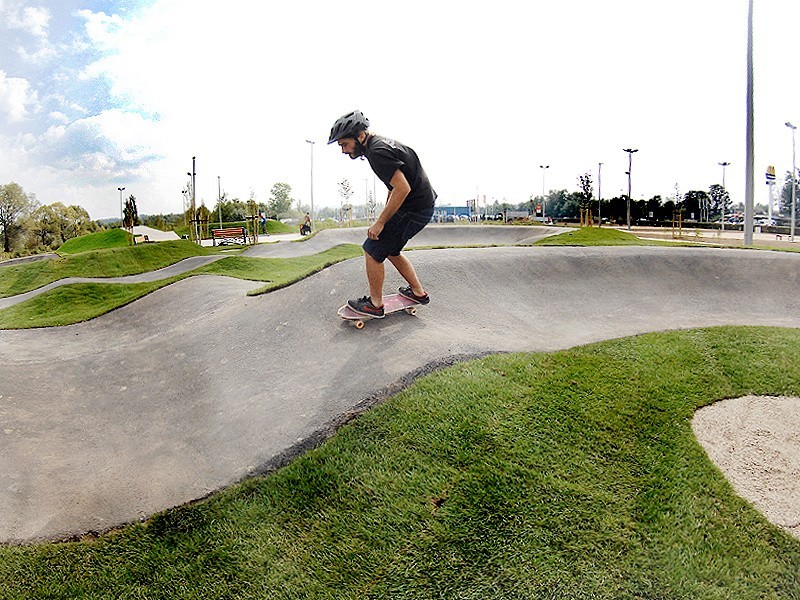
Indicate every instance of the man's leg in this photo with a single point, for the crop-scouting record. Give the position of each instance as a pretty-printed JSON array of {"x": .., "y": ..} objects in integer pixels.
[
  {"x": 375, "y": 276},
  {"x": 406, "y": 270}
]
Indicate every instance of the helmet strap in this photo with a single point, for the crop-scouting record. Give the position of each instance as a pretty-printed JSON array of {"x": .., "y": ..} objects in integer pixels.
[{"x": 361, "y": 146}]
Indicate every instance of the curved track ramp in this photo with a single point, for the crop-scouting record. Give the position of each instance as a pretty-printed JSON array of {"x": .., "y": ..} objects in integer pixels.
[{"x": 196, "y": 386}]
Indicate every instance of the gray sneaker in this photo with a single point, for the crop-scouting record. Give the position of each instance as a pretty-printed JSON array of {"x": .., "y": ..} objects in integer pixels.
[
  {"x": 407, "y": 293},
  {"x": 364, "y": 306}
]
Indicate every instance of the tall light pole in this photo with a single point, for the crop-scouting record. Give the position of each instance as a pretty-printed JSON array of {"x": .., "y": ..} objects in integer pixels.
[
  {"x": 749, "y": 187},
  {"x": 193, "y": 179},
  {"x": 630, "y": 152},
  {"x": 219, "y": 200},
  {"x": 599, "y": 195},
  {"x": 794, "y": 179},
  {"x": 724, "y": 190},
  {"x": 311, "y": 143},
  {"x": 544, "y": 170},
  {"x": 121, "y": 209}
]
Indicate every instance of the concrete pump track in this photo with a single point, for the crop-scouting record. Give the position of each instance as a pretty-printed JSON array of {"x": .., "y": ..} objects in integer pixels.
[{"x": 197, "y": 386}]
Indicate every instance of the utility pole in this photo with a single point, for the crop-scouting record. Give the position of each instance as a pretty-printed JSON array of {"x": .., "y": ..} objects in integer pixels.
[
  {"x": 311, "y": 143},
  {"x": 543, "y": 168},
  {"x": 794, "y": 180},
  {"x": 121, "y": 208},
  {"x": 630, "y": 152},
  {"x": 725, "y": 191},
  {"x": 193, "y": 179},
  {"x": 599, "y": 195},
  {"x": 749, "y": 187}
]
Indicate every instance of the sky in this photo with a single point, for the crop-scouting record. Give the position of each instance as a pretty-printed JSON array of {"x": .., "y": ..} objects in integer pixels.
[{"x": 97, "y": 95}]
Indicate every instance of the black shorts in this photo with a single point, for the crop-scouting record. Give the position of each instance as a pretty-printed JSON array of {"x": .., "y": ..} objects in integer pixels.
[{"x": 398, "y": 230}]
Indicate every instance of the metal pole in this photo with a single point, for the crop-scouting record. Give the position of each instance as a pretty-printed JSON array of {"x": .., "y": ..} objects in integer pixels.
[
  {"x": 312, "y": 182},
  {"x": 630, "y": 152},
  {"x": 543, "y": 168},
  {"x": 723, "y": 165},
  {"x": 724, "y": 189},
  {"x": 194, "y": 200},
  {"x": 121, "y": 209},
  {"x": 794, "y": 180},
  {"x": 599, "y": 194},
  {"x": 219, "y": 200},
  {"x": 749, "y": 187},
  {"x": 193, "y": 178}
]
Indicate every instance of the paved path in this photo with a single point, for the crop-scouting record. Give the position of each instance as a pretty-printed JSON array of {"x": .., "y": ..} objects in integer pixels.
[
  {"x": 279, "y": 246},
  {"x": 197, "y": 385},
  {"x": 180, "y": 267}
]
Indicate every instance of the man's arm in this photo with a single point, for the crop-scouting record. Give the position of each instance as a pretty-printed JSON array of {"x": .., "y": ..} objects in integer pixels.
[{"x": 397, "y": 195}]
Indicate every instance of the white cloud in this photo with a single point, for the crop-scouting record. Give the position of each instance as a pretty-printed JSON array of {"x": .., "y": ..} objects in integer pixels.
[
  {"x": 17, "y": 99},
  {"x": 111, "y": 145},
  {"x": 484, "y": 93},
  {"x": 33, "y": 19},
  {"x": 59, "y": 117}
]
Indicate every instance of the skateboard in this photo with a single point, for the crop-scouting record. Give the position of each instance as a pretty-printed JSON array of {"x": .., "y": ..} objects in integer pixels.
[{"x": 391, "y": 304}]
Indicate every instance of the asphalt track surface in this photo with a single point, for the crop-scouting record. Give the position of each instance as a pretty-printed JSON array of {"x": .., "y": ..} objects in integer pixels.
[{"x": 197, "y": 386}]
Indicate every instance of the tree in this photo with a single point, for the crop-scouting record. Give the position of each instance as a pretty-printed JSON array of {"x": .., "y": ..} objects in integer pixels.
[
  {"x": 43, "y": 225},
  {"x": 232, "y": 210},
  {"x": 372, "y": 206},
  {"x": 13, "y": 204},
  {"x": 130, "y": 214},
  {"x": 345, "y": 190},
  {"x": 786, "y": 194},
  {"x": 585, "y": 197},
  {"x": 720, "y": 201},
  {"x": 696, "y": 203},
  {"x": 280, "y": 201},
  {"x": 587, "y": 190}
]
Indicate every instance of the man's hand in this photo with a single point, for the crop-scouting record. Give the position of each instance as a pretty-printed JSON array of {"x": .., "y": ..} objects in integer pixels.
[{"x": 375, "y": 230}]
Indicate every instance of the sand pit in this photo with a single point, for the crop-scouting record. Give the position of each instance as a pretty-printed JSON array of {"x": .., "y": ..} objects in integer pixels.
[{"x": 755, "y": 441}]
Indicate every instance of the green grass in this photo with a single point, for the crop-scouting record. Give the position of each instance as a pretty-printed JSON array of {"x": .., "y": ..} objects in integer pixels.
[
  {"x": 279, "y": 272},
  {"x": 599, "y": 236},
  {"x": 110, "y": 262},
  {"x": 69, "y": 304},
  {"x": 572, "y": 474},
  {"x": 75, "y": 303},
  {"x": 100, "y": 240}
]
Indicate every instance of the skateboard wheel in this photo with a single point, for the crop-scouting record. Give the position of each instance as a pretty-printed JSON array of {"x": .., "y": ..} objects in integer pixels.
[
  {"x": 412, "y": 311},
  {"x": 359, "y": 324}
]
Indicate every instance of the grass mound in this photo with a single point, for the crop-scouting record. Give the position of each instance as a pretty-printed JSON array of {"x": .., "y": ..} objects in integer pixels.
[
  {"x": 108, "y": 262},
  {"x": 594, "y": 236},
  {"x": 100, "y": 240},
  {"x": 573, "y": 474},
  {"x": 74, "y": 303},
  {"x": 280, "y": 272}
]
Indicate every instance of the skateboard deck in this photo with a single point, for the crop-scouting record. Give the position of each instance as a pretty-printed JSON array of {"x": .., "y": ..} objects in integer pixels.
[{"x": 391, "y": 304}]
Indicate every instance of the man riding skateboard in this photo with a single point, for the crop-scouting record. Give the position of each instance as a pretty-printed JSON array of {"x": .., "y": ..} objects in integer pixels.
[{"x": 409, "y": 208}]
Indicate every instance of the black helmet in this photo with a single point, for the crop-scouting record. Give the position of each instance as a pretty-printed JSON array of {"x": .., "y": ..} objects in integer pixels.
[{"x": 350, "y": 125}]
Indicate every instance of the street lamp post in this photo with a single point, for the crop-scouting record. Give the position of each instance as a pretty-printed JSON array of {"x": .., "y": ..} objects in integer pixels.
[
  {"x": 311, "y": 143},
  {"x": 193, "y": 178},
  {"x": 794, "y": 179},
  {"x": 749, "y": 187},
  {"x": 121, "y": 209},
  {"x": 599, "y": 194},
  {"x": 544, "y": 170},
  {"x": 723, "y": 165},
  {"x": 219, "y": 200},
  {"x": 630, "y": 152},
  {"x": 185, "y": 205}
]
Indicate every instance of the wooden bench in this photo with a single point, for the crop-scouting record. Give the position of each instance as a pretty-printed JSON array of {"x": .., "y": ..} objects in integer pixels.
[{"x": 234, "y": 234}]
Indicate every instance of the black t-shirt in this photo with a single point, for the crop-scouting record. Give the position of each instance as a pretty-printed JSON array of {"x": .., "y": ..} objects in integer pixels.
[{"x": 385, "y": 156}]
